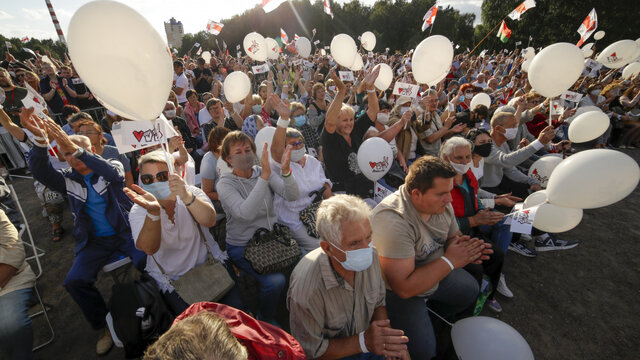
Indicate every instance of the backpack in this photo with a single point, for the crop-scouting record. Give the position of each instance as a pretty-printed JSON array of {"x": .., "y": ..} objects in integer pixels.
[
  {"x": 140, "y": 315},
  {"x": 262, "y": 340}
]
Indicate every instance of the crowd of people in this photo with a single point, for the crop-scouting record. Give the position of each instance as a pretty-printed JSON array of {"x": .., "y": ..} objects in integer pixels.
[{"x": 370, "y": 269}]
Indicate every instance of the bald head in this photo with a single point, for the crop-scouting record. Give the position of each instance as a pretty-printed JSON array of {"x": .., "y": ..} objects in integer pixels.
[{"x": 81, "y": 141}]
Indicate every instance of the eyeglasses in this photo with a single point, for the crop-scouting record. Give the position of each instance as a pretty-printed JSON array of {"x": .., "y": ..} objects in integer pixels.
[
  {"x": 296, "y": 144},
  {"x": 147, "y": 179},
  {"x": 90, "y": 132}
]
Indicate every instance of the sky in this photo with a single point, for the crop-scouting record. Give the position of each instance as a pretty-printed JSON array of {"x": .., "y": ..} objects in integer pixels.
[{"x": 31, "y": 18}]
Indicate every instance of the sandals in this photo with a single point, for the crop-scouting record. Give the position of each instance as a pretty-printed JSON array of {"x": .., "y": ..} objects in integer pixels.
[{"x": 57, "y": 234}]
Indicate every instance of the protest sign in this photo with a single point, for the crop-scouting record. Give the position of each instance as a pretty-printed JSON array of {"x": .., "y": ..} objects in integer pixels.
[
  {"x": 406, "y": 89},
  {"x": 135, "y": 135}
]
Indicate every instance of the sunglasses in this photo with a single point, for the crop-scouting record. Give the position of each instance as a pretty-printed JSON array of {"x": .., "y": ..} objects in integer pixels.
[{"x": 147, "y": 179}]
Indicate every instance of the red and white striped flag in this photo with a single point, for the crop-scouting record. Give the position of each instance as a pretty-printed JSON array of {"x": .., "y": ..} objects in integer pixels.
[
  {"x": 25, "y": 39},
  {"x": 283, "y": 36},
  {"x": 588, "y": 26},
  {"x": 295, "y": 37},
  {"x": 429, "y": 17},
  {"x": 214, "y": 27},
  {"x": 526, "y": 5},
  {"x": 270, "y": 5},
  {"x": 327, "y": 8}
]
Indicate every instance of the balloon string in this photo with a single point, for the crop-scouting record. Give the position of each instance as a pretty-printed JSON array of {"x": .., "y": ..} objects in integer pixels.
[
  {"x": 46, "y": 138},
  {"x": 440, "y": 317}
]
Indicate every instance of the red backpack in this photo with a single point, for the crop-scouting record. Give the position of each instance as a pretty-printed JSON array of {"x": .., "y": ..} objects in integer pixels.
[{"x": 262, "y": 340}]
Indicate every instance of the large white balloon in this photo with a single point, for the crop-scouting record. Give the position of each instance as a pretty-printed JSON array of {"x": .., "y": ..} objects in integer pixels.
[
  {"x": 255, "y": 46},
  {"x": 556, "y": 219},
  {"x": 206, "y": 56},
  {"x": 587, "y": 46},
  {"x": 588, "y": 126},
  {"x": 618, "y": 54},
  {"x": 587, "y": 52},
  {"x": 525, "y": 65},
  {"x": 529, "y": 53},
  {"x": 431, "y": 59},
  {"x": 303, "y": 46},
  {"x": 384, "y": 77},
  {"x": 273, "y": 49},
  {"x": 236, "y": 86},
  {"x": 344, "y": 50},
  {"x": 486, "y": 338},
  {"x": 542, "y": 168},
  {"x": 631, "y": 70},
  {"x": 480, "y": 99},
  {"x": 128, "y": 66},
  {"x": 598, "y": 35},
  {"x": 374, "y": 158},
  {"x": 358, "y": 64},
  {"x": 554, "y": 69},
  {"x": 592, "y": 179},
  {"x": 581, "y": 110},
  {"x": 534, "y": 199},
  {"x": 265, "y": 135},
  {"x": 368, "y": 40}
]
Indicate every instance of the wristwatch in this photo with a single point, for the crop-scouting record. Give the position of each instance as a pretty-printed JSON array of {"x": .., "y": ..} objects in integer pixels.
[{"x": 79, "y": 151}]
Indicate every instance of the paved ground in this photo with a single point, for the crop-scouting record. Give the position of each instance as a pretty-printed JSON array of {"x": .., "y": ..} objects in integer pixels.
[{"x": 577, "y": 304}]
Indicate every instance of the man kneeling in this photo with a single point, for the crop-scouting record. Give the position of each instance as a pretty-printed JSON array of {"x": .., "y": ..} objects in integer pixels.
[{"x": 337, "y": 295}]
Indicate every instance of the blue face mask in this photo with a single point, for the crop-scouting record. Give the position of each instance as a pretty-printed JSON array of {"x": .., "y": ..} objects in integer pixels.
[
  {"x": 300, "y": 120},
  {"x": 160, "y": 190},
  {"x": 357, "y": 260}
]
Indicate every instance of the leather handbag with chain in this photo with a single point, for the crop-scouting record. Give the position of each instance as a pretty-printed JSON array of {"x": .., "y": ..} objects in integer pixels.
[{"x": 272, "y": 251}]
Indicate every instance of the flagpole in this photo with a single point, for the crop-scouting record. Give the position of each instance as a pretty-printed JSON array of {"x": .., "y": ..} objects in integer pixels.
[
  {"x": 483, "y": 39},
  {"x": 431, "y": 28}
]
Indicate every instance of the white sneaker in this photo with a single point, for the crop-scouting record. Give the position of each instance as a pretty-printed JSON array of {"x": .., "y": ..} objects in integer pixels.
[{"x": 503, "y": 289}]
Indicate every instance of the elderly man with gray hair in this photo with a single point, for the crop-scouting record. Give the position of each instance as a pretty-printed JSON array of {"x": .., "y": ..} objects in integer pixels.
[{"x": 337, "y": 295}]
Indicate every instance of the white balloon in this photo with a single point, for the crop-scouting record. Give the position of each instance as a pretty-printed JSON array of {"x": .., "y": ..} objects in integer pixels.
[
  {"x": 598, "y": 35},
  {"x": 303, "y": 46},
  {"x": 374, "y": 158},
  {"x": 542, "y": 168},
  {"x": 357, "y": 64},
  {"x": 368, "y": 40},
  {"x": 587, "y": 52},
  {"x": 556, "y": 219},
  {"x": 525, "y": 65},
  {"x": 529, "y": 53},
  {"x": 114, "y": 109},
  {"x": 236, "y": 86},
  {"x": 588, "y": 126},
  {"x": 265, "y": 135},
  {"x": 344, "y": 50},
  {"x": 206, "y": 56},
  {"x": 486, "y": 338},
  {"x": 631, "y": 70},
  {"x": 535, "y": 199},
  {"x": 114, "y": 60},
  {"x": 273, "y": 49},
  {"x": 255, "y": 46},
  {"x": 554, "y": 69},
  {"x": 431, "y": 59},
  {"x": 480, "y": 99},
  {"x": 618, "y": 54},
  {"x": 581, "y": 110},
  {"x": 587, "y": 46},
  {"x": 592, "y": 179},
  {"x": 383, "y": 81}
]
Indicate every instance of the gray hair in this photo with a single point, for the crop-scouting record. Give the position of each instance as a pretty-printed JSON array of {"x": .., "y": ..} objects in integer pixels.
[
  {"x": 336, "y": 210},
  {"x": 453, "y": 143},
  {"x": 430, "y": 92},
  {"x": 507, "y": 109},
  {"x": 81, "y": 141},
  {"x": 293, "y": 133},
  {"x": 156, "y": 156},
  {"x": 499, "y": 118}
]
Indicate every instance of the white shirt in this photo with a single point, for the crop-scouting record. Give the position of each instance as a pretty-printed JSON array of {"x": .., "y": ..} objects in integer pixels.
[
  {"x": 181, "y": 82},
  {"x": 180, "y": 246},
  {"x": 188, "y": 170},
  {"x": 204, "y": 116}
]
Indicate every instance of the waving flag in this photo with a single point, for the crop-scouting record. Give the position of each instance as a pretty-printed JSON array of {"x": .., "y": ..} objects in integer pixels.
[
  {"x": 429, "y": 17},
  {"x": 284, "y": 37},
  {"x": 526, "y": 5},
  {"x": 295, "y": 37},
  {"x": 327, "y": 8},
  {"x": 24, "y": 39},
  {"x": 270, "y": 5},
  {"x": 214, "y": 27},
  {"x": 504, "y": 33},
  {"x": 588, "y": 26}
]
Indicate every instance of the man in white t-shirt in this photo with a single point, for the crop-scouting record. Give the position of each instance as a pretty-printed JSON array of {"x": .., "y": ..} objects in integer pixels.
[{"x": 180, "y": 82}]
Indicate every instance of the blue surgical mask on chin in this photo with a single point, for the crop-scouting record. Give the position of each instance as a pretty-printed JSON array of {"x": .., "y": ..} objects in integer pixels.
[
  {"x": 357, "y": 260},
  {"x": 300, "y": 120},
  {"x": 160, "y": 190}
]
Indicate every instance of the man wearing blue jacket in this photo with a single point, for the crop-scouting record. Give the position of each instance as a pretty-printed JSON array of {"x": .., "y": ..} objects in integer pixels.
[{"x": 100, "y": 211}]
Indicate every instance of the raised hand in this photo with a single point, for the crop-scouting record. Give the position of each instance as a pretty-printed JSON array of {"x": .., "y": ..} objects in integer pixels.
[
  {"x": 64, "y": 143},
  {"x": 179, "y": 188},
  {"x": 145, "y": 199},
  {"x": 264, "y": 163},
  {"x": 286, "y": 160},
  {"x": 282, "y": 107},
  {"x": 371, "y": 77},
  {"x": 32, "y": 123}
]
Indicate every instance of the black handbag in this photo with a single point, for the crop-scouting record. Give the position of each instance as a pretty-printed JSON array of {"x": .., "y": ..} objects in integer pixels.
[
  {"x": 308, "y": 214},
  {"x": 272, "y": 251}
]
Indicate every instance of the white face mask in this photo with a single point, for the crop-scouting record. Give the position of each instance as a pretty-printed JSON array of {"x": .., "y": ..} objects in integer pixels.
[
  {"x": 468, "y": 96},
  {"x": 404, "y": 109},
  {"x": 357, "y": 260},
  {"x": 595, "y": 92},
  {"x": 170, "y": 114},
  {"x": 461, "y": 169},
  {"x": 382, "y": 118},
  {"x": 256, "y": 109},
  {"x": 298, "y": 154},
  {"x": 478, "y": 172},
  {"x": 510, "y": 133},
  {"x": 332, "y": 88}
]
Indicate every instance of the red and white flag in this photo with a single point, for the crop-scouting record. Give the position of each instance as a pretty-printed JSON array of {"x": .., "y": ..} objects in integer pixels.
[
  {"x": 588, "y": 26},
  {"x": 25, "y": 39},
  {"x": 214, "y": 27},
  {"x": 270, "y": 5},
  {"x": 526, "y": 5},
  {"x": 429, "y": 17},
  {"x": 327, "y": 8},
  {"x": 283, "y": 36},
  {"x": 295, "y": 37}
]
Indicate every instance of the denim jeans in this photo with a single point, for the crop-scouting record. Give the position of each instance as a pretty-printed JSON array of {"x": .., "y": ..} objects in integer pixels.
[
  {"x": 500, "y": 234},
  {"x": 271, "y": 285},
  {"x": 16, "y": 331},
  {"x": 455, "y": 297}
]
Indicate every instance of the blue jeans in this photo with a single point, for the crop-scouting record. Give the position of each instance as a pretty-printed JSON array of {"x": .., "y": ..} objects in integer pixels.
[
  {"x": 16, "y": 330},
  {"x": 80, "y": 280},
  {"x": 456, "y": 294},
  {"x": 500, "y": 234},
  {"x": 271, "y": 285}
]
